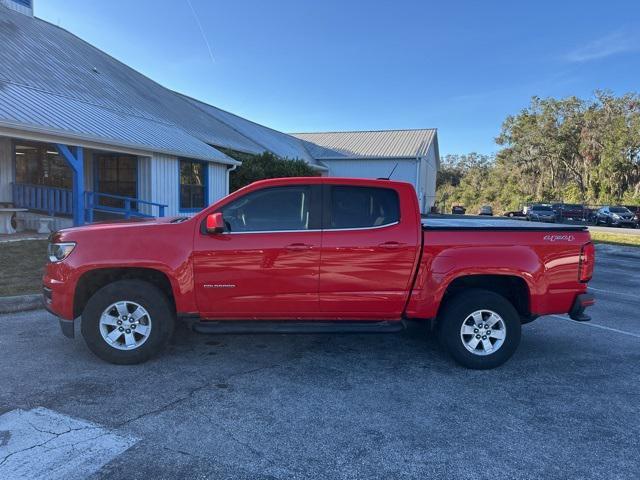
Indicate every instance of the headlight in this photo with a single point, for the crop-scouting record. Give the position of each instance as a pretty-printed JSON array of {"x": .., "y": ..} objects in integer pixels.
[{"x": 59, "y": 251}]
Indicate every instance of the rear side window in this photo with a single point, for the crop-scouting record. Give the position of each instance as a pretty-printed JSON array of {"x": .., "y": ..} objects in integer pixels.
[
  {"x": 269, "y": 210},
  {"x": 362, "y": 207}
]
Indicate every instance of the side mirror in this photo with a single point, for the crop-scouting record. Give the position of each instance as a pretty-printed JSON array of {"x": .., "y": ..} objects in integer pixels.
[{"x": 215, "y": 223}]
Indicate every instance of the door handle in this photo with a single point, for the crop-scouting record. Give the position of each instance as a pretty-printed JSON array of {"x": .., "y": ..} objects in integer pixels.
[
  {"x": 298, "y": 246},
  {"x": 391, "y": 245}
]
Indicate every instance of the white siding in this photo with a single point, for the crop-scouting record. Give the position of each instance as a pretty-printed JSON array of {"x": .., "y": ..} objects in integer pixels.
[
  {"x": 429, "y": 179},
  {"x": 165, "y": 176},
  {"x": 144, "y": 184},
  {"x": 158, "y": 181},
  {"x": 6, "y": 170},
  {"x": 373, "y": 168},
  {"x": 217, "y": 178},
  {"x": 88, "y": 170}
]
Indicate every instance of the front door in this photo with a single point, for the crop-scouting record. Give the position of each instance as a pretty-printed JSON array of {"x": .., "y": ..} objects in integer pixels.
[
  {"x": 266, "y": 263},
  {"x": 368, "y": 254},
  {"x": 116, "y": 174}
]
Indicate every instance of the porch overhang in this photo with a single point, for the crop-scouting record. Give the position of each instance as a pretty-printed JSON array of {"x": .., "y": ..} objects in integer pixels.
[{"x": 40, "y": 134}]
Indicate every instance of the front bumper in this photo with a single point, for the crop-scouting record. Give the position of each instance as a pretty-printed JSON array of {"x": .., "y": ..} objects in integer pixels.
[
  {"x": 623, "y": 222},
  {"x": 581, "y": 302},
  {"x": 67, "y": 326}
]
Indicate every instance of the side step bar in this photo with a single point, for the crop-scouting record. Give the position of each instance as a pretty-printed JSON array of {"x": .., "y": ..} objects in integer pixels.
[{"x": 294, "y": 326}]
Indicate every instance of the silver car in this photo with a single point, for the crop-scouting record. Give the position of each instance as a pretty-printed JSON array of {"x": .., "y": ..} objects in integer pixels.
[{"x": 615, "y": 216}]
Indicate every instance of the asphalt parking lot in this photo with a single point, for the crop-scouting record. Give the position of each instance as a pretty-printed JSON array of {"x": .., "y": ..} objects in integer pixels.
[{"x": 567, "y": 405}]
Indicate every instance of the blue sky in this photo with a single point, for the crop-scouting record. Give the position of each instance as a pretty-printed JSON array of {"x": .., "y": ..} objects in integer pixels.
[{"x": 299, "y": 65}]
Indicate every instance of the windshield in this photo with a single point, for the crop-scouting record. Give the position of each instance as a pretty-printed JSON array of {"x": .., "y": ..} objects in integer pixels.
[
  {"x": 618, "y": 210},
  {"x": 543, "y": 208}
]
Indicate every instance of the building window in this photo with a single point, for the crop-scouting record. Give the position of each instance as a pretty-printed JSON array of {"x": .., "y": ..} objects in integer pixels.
[
  {"x": 41, "y": 164},
  {"x": 193, "y": 185},
  {"x": 116, "y": 174}
]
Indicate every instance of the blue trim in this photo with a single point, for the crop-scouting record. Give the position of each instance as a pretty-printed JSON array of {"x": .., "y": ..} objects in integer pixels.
[
  {"x": 51, "y": 200},
  {"x": 76, "y": 162},
  {"x": 206, "y": 186},
  {"x": 127, "y": 211}
]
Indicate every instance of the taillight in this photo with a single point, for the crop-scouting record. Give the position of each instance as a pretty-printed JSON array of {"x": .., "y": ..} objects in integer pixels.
[{"x": 587, "y": 261}]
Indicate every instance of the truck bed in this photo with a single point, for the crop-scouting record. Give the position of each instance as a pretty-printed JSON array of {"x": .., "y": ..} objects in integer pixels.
[{"x": 493, "y": 223}]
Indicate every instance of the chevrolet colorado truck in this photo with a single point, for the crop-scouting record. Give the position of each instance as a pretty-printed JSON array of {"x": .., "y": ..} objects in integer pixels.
[{"x": 316, "y": 255}]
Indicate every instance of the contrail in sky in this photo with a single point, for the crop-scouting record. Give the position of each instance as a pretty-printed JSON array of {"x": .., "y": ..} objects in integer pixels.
[{"x": 204, "y": 37}]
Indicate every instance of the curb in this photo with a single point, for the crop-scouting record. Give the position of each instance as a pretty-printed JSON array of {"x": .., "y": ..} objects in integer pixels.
[{"x": 20, "y": 303}]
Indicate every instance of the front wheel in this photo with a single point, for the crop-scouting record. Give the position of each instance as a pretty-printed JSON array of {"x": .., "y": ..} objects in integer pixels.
[
  {"x": 480, "y": 329},
  {"x": 127, "y": 322}
]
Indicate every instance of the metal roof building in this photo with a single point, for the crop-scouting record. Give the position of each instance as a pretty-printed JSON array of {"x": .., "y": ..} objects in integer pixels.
[
  {"x": 412, "y": 156},
  {"x": 131, "y": 137}
]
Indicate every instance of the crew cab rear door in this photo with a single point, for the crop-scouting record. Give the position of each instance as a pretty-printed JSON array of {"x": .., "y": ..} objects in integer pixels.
[
  {"x": 368, "y": 254},
  {"x": 266, "y": 263}
]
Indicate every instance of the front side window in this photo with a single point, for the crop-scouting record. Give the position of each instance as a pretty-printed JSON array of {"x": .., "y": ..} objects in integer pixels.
[
  {"x": 193, "y": 185},
  {"x": 41, "y": 164},
  {"x": 362, "y": 207},
  {"x": 270, "y": 209}
]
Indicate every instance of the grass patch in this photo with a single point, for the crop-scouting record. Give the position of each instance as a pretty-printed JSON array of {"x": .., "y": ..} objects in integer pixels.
[
  {"x": 22, "y": 265},
  {"x": 616, "y": 238}
]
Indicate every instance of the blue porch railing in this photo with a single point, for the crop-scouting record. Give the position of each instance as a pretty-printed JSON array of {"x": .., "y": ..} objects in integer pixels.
[
  {"x": 59, "y": 201},
  {"x": 130, "y": 208},
  {"x": 54, "y": 201}
]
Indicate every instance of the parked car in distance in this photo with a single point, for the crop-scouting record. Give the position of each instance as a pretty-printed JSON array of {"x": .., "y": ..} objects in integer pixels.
[
  {"x": 486, "y": 210},
  {"x": 570, "y": 211},
  {"x": 318, "y": 254},
  {"x": 541, "y": 213},
  {"x": 515, "y": 213},
  {"x": 635, "y": 209},
  {"x": 458, "y": 210},
  {"x": 616, "y": 216}
]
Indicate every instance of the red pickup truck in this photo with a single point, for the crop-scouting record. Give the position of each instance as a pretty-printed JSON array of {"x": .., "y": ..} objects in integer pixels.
[{"x": 316, "y": 255}]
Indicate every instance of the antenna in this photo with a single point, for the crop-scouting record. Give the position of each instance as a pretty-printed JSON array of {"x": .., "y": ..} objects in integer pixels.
[{"x": 390, "y": 174}]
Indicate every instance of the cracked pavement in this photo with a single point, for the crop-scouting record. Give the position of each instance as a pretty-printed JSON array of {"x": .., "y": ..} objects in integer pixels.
[{"x": 333, "y": 406}]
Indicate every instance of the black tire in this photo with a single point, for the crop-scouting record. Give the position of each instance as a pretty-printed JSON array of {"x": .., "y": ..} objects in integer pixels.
[
  {"x": 146, "y": 295},
  {"x": 459, "y": 308}
]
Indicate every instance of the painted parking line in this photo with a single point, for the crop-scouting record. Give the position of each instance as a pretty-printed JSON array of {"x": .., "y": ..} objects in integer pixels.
[
  {"x": 595, "y": 325},
  {"x": 613, "y": 292},
  {"x": 41, "y": 443}
]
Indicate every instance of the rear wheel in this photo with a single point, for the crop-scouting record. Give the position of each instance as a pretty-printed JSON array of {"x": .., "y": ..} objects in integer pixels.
[
  {"x": 127, "y": 322},
  {"x": 480, "y": 329}
]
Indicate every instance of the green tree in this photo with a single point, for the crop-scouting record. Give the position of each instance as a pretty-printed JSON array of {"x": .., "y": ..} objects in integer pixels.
[
  {"x": 569, "y": 149},
  {"x": 266, "y": 165},
  {"x": 576, "y": 150}
]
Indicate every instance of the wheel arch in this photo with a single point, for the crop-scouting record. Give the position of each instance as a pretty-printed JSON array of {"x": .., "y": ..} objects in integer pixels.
[
  {"x": 514, "y": 288},
  {"x": 93, "y": 280}
]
